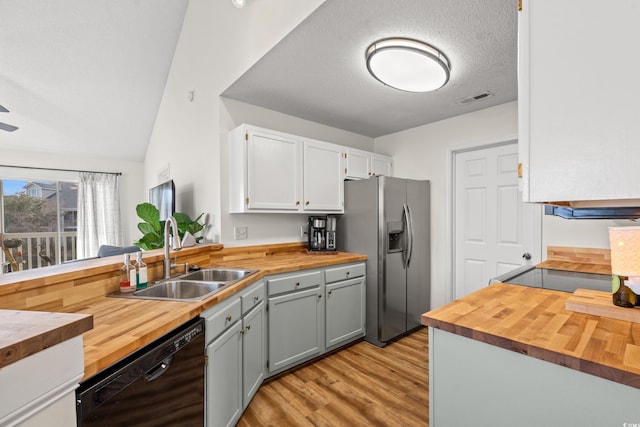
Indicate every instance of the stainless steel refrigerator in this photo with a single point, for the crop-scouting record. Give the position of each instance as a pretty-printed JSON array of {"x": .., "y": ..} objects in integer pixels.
[{"x": 387, "y": 219}]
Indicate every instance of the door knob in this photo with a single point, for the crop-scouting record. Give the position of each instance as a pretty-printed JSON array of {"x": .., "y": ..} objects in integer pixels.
[{"x": 526, "y": 255}]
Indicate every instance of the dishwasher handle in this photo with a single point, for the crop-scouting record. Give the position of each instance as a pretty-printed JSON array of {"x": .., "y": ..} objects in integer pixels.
[{"x": 159, "y": 370}]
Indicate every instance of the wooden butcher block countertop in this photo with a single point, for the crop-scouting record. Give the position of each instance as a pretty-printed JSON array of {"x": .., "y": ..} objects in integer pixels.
[
  {"x": 534, "y": 322},
  {"x": 122, "y": 325},
  {"x": 27, "y": 332}
]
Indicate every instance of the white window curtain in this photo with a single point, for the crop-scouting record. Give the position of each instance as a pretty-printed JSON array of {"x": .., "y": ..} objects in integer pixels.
[{"x": 98, "y": 213}]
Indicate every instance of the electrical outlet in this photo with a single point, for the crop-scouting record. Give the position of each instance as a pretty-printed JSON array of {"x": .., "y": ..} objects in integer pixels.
[
  {"x": 304, "y": 231},
  {"x": 240, "y": 233}
]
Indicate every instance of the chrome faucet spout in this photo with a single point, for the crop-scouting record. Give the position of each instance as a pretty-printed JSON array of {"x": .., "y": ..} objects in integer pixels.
[{"x": 170, "y": 223}]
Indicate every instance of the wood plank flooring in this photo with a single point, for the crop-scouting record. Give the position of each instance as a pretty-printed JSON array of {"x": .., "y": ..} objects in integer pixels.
[{"x": 362, "y": 385}]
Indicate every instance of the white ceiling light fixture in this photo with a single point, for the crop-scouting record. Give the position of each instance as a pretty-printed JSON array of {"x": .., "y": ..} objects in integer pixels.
[
  {"x": 238, "y": 3},
  {"x": 407, "y": 64}
]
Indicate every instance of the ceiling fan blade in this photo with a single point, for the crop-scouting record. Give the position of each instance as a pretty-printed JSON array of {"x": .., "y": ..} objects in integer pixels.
[{"x": 7, "y": 127}]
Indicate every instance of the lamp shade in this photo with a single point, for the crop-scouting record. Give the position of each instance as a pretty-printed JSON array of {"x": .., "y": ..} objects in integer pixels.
[
  {"x": 407, "y": 64},
  {"x": 625, "y": 250}
]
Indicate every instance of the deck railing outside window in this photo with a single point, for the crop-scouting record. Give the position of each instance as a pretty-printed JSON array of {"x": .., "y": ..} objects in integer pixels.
[{"x": 41, "y": 249}]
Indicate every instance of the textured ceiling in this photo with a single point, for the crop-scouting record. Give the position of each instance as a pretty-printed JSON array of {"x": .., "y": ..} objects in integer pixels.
[
  {"x": 85, "y": 77},
  {"x": 318, "y": 71}
]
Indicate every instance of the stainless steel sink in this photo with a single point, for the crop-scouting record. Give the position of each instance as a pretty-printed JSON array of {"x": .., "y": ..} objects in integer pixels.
[
  {"x": 177, "y": 290},
  {"x": 228, "y": 275},
  {"x": 194, "y": 286}
]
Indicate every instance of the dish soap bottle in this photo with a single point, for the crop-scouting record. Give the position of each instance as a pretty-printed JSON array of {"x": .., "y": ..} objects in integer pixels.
[
  {"x": 127, "y": 275},
  {"x": 141, "y": 272}
]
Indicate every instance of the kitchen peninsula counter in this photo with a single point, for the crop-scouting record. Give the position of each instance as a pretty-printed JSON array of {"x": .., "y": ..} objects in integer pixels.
[
  {"x": 534, "y": 322},
  {"x": 123, "y": 325},
  {"x": 550, "y": 351}
]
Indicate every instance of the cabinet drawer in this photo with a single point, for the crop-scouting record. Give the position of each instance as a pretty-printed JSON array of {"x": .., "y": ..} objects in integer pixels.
[
  {"x": 294, "y": 282},
  {"x": 252, "y": 297},
  {"x": 343, "y": 273},
  {"x": 218, "y": 319}
]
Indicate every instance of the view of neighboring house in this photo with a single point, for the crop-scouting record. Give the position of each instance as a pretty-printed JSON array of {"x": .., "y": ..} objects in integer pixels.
[{"x": 66, "y": 199}]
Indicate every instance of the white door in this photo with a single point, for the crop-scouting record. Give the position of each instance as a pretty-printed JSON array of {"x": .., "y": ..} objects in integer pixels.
[{"x": 494, "y": 231}]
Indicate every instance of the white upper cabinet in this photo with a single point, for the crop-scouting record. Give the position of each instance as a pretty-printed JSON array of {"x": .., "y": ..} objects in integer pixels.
[
  {"x": 360, "y": 164},
  {"x": 323, "y": 177},
  {"x": 578, "y": 86},
  {"x": 265, "y": 171},
  {"x": 357, "y": 164},
  {"x": 273, "y": 171},
  {"x": 380, "y": 165}
]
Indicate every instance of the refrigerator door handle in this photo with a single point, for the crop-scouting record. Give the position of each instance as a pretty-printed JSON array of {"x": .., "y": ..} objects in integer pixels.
[
  {"x": 408, "y": 232},
  {"x": 410, "y": 225}
]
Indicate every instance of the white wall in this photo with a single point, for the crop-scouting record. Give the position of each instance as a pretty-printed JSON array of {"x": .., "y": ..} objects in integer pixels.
[
  {"x": 422, "y": 153},
  {"x": 591, "y": 233},
  {"x": 132, "y": 190},
  {"x": 217, "y": 44}
]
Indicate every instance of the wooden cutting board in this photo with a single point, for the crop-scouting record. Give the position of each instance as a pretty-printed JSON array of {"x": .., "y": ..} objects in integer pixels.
[{"x": 599, "y": 303}]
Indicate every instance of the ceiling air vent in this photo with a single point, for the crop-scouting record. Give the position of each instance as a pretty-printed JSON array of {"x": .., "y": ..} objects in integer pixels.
[{"x": 474, "y": 98}]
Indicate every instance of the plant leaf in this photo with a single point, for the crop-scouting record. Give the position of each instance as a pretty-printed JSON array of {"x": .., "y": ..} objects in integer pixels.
[
  {"x": 145, "y": 228},
  {"x": 149, "y": 213}
]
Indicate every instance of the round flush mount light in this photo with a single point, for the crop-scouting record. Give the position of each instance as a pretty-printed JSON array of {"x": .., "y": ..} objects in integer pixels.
[
  {"x": 238, "y": 3},
  {"x": 407, "y": 64}
]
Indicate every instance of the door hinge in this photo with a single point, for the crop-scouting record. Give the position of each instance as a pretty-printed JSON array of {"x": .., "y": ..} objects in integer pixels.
[
  {"x": 519, "y": 170},
  {"x": 246, "y": 200},
  {"x": 345, "y": 171},
  {"x": 246, "y": 136},
  {"x": 267, "y": 364},
  {"x": 206, "y": 360},
  {"x": 519, "y": 5}
]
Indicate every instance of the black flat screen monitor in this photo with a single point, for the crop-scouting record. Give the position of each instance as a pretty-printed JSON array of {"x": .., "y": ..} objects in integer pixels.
[{"x": 163, "y": 197}]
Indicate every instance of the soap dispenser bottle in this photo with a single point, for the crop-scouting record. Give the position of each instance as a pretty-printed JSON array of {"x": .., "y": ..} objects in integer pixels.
[
  {"x": 141, "y": 272},
  {"x": 127, "y": 275}
]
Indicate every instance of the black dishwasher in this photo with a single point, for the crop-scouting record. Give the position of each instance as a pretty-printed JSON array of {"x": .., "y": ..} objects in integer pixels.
[{"x": 162, "y": 384}]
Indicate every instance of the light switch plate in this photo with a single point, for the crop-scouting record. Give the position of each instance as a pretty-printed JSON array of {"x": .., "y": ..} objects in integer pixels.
[{"x": 304, "y": 231}]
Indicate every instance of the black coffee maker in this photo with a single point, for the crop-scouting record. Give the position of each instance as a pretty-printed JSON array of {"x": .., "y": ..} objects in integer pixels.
[{"x": 322, "y": 233}]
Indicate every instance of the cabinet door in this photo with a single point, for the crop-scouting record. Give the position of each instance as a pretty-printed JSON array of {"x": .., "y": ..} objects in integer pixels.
[
  {"x": 323, "y": 177},
  {"x": 357, "y": 164},
  {"x": 295, "y": 328},
  {"x": 578, "y": 121},
  {"x": 345, "y": 311},
  {"x": 380, "y": 165},
  {"x": 254, "y": 352},
  {"x": 224, "y": 374},
  {"x": 273, "y": 172}
]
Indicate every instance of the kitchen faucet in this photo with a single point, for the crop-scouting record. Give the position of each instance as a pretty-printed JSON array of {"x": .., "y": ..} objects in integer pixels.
[{"x": 171, "y": 221}]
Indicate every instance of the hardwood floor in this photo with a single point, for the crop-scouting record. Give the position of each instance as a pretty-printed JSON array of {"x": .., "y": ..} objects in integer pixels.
[{"x": 362, "y": 385}]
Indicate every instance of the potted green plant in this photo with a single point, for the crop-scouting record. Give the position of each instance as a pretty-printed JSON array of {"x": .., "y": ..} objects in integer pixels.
[{"x": 152, "y": 228}]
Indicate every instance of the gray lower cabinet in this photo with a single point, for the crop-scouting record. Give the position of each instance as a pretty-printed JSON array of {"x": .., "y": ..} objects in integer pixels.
[
  {"x": 308, "y": 318},
  {"x": 254, "y": 351},
  {"x": 295, "y": 328},
  {"x": 236, "y": 354},
  {"x": 224, "y": 371},
  {"x": 345, "y": 312}
]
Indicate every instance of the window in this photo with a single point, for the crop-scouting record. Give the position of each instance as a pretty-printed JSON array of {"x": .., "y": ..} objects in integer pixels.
[{"x": 38, "y": 222}]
